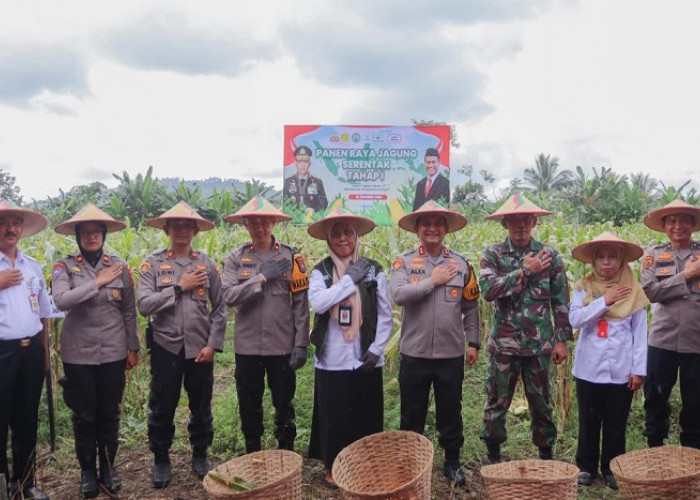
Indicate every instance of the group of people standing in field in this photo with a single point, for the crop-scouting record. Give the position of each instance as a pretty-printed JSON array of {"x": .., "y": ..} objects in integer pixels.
[{"x": 266, "y": 282}]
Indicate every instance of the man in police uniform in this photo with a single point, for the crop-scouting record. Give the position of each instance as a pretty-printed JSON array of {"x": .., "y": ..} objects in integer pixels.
[
  {"x": 180, "y": 289},
  {"x": 671, "y": 280},
  {"x": 24, "y": 303},
  {"x": 438, "y": 291},
  {"x": 433, "y": 186},
  {"x": 266, "y": 282},
  {"x": 526, "y": 281},
  {"x": 302, "y": 187}
]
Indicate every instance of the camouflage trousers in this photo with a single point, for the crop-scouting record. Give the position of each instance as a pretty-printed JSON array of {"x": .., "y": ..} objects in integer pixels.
[{"x": 501, "y": 378}]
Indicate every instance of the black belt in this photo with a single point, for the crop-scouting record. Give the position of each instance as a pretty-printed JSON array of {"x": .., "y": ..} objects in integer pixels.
[{"x": 25, "y": 342}]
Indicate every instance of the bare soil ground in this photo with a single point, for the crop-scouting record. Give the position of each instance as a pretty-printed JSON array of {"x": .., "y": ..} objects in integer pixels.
[{"x": 60, "y": 479}]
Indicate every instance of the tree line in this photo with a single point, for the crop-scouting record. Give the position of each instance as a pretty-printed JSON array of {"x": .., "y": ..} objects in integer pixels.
[{"x": 600, "y": 197}]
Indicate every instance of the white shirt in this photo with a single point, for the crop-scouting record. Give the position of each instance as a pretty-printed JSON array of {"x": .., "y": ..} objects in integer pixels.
[
  {"x": 613, "y": 359},
  {"x": 338, "y": 354},
  {"x": 17, "y": 320}
]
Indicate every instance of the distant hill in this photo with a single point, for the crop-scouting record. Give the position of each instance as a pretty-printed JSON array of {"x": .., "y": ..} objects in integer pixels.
[{"x": 207, "y": 186}]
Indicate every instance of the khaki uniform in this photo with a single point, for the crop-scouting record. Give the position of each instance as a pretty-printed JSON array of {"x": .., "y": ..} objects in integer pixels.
[
  {"x": 674, "y": 343},
  {"x": 268, "y": 321},
  {"x": 101, "y": 323},
  {"x": 676, "y": 315},
  {"x": 436, "y": 319},
  {"x": 271, "y": 320},
  {"x": 183, "y": 320}
]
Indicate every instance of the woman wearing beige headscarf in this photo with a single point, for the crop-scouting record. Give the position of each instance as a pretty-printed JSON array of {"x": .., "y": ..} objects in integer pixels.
[
  {"x": 353, "y": 321},
  {"x": 609, "y": 307}
]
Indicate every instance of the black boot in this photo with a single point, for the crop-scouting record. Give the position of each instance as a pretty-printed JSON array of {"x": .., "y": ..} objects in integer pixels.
[
  {"x": 252, "y": 445},
  {"x": 162, "y": 472},
  {"x": 546, "y": 453},
  {"x": 286, "y": 444},
  {"x": 88, "y": 483},
  {"x": 109, "y": 476},
  {"x": 200, "y": 464},
  {"x": 453, "y": 473},
  {"x": 493, "y": 455}
]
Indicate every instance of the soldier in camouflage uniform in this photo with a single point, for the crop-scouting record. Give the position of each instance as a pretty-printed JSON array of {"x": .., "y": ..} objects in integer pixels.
[
  {"x": 671, "y": 280},
  {"x": 526, "y": 280}
]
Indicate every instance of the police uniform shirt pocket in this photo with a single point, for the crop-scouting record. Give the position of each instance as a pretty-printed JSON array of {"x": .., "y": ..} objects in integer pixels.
[
  {"x": 665, "y": 269},
  {"x": 165, "y": 281}
]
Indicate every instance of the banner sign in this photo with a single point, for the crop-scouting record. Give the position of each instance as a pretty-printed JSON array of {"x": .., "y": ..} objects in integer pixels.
[{"x": 381, "y": 172}]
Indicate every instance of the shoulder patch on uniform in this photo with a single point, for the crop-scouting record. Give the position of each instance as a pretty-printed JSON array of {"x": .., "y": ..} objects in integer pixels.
[
  {"x": 471, "y": 289},
  {"x": 299, "y": 281},
  {"x": 58, "y": 268},
  {"x": 398, "y": 262},
  {"x": 648, "y": 261},
  {"x": 145, "y": 267}
]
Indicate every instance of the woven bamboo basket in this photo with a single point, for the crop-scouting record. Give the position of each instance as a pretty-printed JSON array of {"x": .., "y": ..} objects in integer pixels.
[
  {"x": 659, "y": 473},
  {"x": 277, "y": 473},
  {"x": 531, "y": 480},
  {"x": 394, "y": 465}
]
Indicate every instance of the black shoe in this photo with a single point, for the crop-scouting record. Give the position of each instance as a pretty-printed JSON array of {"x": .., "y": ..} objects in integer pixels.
[
  {"x": 162, "y": 474},
  {"x": 200, "y": 466},
  {"x": 454, "y": 474},
  {"x": 252, "y": 445},
  {"x": 12, "y": 488},
  {"x": 109, "y": 478},
  {"x": 653, "y": 442},
  {"x": 610, "y": 481},
  {"x": 546, "y": 453},
  {"x": 34, "y": 493},
  {"x": 585, "y": 479},
  {"x": 494, "y": 454},
  {"x": 88, "y": 484},
  {"x": 286, "y": 444}
]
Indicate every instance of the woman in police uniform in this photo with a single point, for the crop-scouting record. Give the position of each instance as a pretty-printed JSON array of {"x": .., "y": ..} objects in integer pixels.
[
  {"x": 99, "y": 341},
  {"x": 350, "y": 297}
]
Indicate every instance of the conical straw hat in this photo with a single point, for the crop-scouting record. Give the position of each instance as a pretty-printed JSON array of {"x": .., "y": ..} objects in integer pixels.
[
  {"x": 257, "y": 207},
  {"x": 181, "y": 211},
  {"x": 654, "y": 219},
  {"x": 89, "y": 213},
  {"x": 585, "y": 252},
  {"x": 455, "y": 220},
  {"x": 518, "y": 204},
  {"x": 319, "y": 229},
  {"x": 34, "y": 222}
]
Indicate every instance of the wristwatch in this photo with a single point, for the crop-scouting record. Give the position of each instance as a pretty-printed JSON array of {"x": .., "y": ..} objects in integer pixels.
[
  {"x": 527, "y": 272},
  {"x": 178, "y": 289}
]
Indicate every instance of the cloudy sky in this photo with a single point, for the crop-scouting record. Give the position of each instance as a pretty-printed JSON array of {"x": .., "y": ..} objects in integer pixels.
[{"x": 200, "y": 89}]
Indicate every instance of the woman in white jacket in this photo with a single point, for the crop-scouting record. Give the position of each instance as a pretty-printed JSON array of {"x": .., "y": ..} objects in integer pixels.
[{"x": 609, "y": 307}]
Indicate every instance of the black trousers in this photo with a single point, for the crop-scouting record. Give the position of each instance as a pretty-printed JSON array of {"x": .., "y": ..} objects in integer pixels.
[
  {"x": 606, "y": 406},
  {"x": 21, "y": 381},
  {"x": 663, "y": 367},
  {"x": 93, "y": 393},
  {"x": 348, "y": 405},
  {"x": 250, "y": 386},
  {"x": 167, "y": 373},
  {"x": 416, "y": 375}
]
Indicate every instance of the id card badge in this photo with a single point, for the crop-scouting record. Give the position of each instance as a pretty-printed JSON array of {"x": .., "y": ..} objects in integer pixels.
[
  {"x": 344, "y": 315},
  {"x": 603, "y": 329},
  {"x": 34, "y": 302}
]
